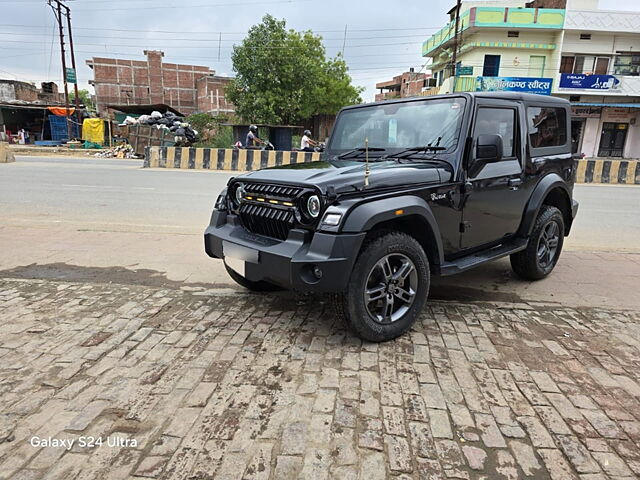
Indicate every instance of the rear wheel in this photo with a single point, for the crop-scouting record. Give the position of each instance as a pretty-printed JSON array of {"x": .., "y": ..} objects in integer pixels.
[
  {"x": 544, "y": 247},
  {"x": 248, "y": 284},
  {"x": 387, "y": 289}
]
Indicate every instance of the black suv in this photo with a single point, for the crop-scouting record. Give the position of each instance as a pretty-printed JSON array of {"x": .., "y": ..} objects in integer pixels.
[{"x": 406, "y": 189}]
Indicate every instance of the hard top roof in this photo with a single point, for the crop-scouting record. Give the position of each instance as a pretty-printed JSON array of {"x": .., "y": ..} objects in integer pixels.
[{"x": 526, "y": 97}]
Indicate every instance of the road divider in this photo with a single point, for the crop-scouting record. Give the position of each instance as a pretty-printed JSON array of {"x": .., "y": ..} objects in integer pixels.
[
  {"x": 222, "y": 158},
  {"x": 588, "y": 170},
  {"x": 599, "y": 170},
  {"x": 6, "y": 155}
]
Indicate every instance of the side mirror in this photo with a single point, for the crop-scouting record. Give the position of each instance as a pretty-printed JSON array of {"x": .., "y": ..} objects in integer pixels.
[{"x": 488, "y": 150}]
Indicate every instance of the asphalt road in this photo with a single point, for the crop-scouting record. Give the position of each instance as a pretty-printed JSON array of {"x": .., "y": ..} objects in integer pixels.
[
  {"x": 118, "y": 195},
  {"x": 110, "y": 213}
]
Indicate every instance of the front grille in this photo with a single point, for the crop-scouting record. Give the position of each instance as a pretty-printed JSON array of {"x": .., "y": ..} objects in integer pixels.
[{"x": 267, "y": 219}]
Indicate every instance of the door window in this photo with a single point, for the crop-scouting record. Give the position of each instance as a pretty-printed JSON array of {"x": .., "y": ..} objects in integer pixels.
[
  {"x": 498, "y": 121},
  {"x": 491, "y": 65},
  {"x": 547, "y": 126}
]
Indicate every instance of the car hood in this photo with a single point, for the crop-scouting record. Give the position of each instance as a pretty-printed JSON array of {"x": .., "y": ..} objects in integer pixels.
[{"x": 348, "y": 176}]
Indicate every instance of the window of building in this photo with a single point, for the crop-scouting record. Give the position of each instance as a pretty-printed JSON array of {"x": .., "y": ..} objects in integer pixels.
[
  {"x": 498, "y": 121},
  {"x": 513, "y": 34},
  {"x": 491, "y": 65},
  {"x": 590, "y": 64},
  {"x": 585, "y": 36},
  {"x": 566, "y": 64},
  {"x": 627, "y": 64},
  {"x": 547, "y": 126}
]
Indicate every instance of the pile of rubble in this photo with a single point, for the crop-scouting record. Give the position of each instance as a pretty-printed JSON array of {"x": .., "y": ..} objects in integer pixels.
[
  {"x": 168, "y": 121},
  {"x": 119, "y": 151}
]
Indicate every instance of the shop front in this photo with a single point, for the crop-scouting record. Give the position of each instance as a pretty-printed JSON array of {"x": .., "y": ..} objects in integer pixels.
[{"x": 606, "y": 130}]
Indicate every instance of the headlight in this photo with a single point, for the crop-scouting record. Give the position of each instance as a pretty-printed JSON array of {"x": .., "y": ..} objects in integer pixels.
[
  {"x": 313, "y": 206},
  {"x": 239, "y": 194}
]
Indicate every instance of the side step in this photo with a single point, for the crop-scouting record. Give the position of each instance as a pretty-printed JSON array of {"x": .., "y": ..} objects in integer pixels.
[{"x": 465, "y": 263}]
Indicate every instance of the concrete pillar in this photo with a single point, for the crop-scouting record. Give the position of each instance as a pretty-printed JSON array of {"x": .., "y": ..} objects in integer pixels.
[{"x": 6, "y": 155}]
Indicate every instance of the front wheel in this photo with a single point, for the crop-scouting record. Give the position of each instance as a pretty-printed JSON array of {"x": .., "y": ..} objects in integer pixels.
[
  {"x": 387, "y": 289},
  {"x": 544, "y": 247}
]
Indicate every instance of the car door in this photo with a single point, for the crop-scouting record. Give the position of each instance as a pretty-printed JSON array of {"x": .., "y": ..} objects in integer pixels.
[{"x": 494, "y": 201}]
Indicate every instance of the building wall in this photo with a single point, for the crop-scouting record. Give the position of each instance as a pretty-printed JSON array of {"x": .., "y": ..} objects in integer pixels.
[
  {"x": 152, "y": 81},
  {"x": 11, "y": 90},
  {"x": 211, "y": 95},
  {"x": 514, "y": 62}
]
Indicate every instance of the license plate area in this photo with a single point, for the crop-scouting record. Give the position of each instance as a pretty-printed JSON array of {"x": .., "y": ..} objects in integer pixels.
[{"x": 236, "y": 256}]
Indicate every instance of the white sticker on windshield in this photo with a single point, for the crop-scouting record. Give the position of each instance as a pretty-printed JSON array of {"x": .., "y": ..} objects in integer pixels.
[{"x": 393, "y": 131}]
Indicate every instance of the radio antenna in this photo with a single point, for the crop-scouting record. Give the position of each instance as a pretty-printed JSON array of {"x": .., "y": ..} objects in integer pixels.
[{"x": 366, "y": 162}]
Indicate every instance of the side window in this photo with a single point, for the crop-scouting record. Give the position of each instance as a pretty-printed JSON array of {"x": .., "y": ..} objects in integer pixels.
[
  {"x": 498, "y": 121},
  {"x": 547, "y": 126}
]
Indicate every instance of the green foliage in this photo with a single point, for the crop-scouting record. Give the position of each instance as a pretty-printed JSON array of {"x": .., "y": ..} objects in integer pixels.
[
  {"x": 223, "y": 138},
  {"x": 205, "y": 121},
  {"x": 85, "y": 99},
  {"x": 283, "y": 76}
]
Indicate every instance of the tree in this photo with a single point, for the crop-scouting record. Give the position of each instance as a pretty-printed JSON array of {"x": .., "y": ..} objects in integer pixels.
[
  {"x": 85, "y": 99},
  {"x": 283, "y": 76}
]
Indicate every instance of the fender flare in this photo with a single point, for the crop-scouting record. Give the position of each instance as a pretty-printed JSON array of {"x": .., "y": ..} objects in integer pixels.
[
  {"x": 540, "y": 192},
  {"x": 365, "y": 216}
]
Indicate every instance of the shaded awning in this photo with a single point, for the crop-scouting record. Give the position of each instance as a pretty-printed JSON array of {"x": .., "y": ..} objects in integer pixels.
[
  {"x": 62, "y": 111},
  {"x": 615, "y": 105},
  {"x": 145, "y": 109}
]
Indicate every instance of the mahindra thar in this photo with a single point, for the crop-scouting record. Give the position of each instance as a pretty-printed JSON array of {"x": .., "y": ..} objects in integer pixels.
[{"x": 406, "y": 189}]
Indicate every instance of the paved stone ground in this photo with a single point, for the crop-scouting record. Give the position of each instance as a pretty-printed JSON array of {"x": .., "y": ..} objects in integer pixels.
[{"x": 259, "y": 387}]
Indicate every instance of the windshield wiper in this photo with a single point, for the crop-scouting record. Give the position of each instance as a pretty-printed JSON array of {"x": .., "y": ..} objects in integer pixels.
[
  {"x": 407, "y": 152},
  {"x": 359, "y": 150}
]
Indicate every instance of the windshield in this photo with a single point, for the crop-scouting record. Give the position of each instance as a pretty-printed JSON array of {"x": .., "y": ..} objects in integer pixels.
[{"x": 397, "y": 126}]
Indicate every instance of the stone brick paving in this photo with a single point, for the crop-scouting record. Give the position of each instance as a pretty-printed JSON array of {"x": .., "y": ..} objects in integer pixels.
[{"x": 196, "y": 385}]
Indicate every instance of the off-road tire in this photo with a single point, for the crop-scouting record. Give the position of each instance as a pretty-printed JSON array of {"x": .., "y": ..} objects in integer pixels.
[
  {"x": 350, "y": 304},
  {"x": 526, "y": 263},
  {"x": 250, "y": 285}
]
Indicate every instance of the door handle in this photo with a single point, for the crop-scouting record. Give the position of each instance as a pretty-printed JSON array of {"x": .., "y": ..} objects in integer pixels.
[{"x": 514, "y": 183}]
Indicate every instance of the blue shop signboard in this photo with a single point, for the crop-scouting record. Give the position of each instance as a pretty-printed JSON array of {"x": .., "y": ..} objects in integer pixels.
[
  {"x": 597, "y": 82},
  {"x": 541, "y": 86}
]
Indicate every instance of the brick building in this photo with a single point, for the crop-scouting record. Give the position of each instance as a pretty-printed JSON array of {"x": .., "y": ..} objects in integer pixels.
[
  {"x": 187, "y": 88},
  {"x": 409, "y": 84}
]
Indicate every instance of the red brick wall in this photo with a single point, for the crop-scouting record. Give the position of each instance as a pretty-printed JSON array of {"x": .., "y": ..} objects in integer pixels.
[
  {"x": 210, "y": 95},
  {"x": 184, "y": 87}
]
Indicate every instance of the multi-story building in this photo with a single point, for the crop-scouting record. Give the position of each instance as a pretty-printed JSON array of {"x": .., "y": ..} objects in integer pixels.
[
  {"x": 566, "y": 48},
  {"x": 186, "y": 88},
  {"x": 408, "y": 84}
]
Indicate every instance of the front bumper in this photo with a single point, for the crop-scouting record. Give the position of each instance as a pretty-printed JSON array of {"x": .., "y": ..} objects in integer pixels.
[{"x": 289, "y": 264}]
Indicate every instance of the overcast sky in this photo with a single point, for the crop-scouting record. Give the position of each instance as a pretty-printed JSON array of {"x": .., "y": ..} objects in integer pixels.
[{"x": 383, "y": 37}]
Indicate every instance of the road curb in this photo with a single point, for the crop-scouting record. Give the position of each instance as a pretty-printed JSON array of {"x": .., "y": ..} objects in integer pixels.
[{"x": 222, "y": 158}]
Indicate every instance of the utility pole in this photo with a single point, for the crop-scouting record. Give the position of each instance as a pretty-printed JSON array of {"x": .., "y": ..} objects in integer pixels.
[
  {"x": 64, "y": 62},
  {"x": 344, "y": 40},
  {"x": 73, "y": 65},
  {"x": 59, "y": 13},
  {"x": 455, "y": 46}
]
